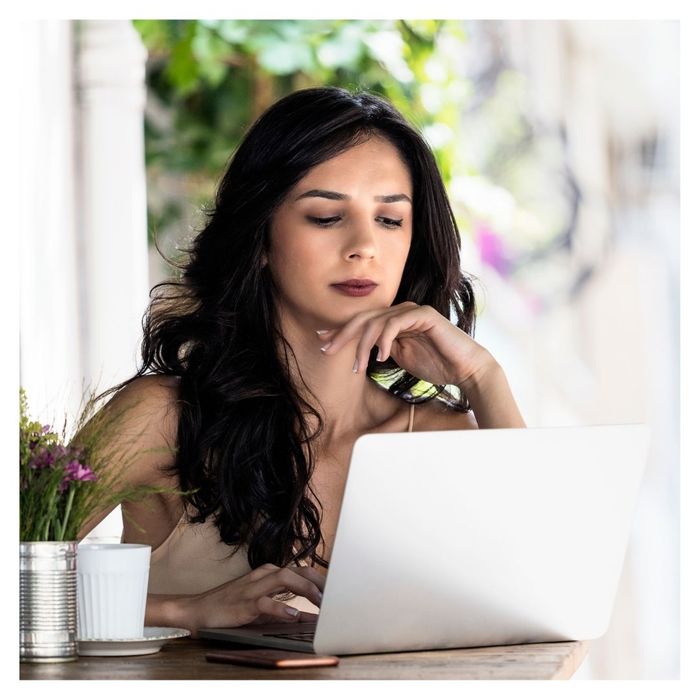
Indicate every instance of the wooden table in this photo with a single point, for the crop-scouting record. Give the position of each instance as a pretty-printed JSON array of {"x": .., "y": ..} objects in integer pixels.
[{"x": 184, "y": 659}]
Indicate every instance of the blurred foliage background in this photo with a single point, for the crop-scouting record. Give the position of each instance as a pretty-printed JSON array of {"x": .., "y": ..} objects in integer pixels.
[{"x": 208, "y": 80}]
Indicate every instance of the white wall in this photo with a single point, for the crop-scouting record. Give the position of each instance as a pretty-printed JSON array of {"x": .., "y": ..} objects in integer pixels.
[{"x": 611, "y": 355}]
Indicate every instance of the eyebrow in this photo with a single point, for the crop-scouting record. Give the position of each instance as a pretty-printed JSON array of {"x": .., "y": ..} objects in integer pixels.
[{"x": 327, "y": 194}]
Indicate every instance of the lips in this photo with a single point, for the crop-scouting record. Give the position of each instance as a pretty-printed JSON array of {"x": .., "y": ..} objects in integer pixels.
[
  {"x": 355, "y": 290},
  {"x": 355, "y": 282}
]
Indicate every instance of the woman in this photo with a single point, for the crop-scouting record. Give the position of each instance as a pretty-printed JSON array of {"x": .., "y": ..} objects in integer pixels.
[{"x": 329, "y": 264}]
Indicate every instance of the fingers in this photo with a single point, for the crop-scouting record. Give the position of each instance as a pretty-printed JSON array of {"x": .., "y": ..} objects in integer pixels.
[
  {"x": 288, "y": 579},
  {"x": 266, "y": 618},
  {"x": 382, "y": 332},
  {"x": 308, "y": 616},
  {"x": 382, "y": 338},
  {"x": 367, "y": 325},
  {"x": 314, "y": 575},
  {"x": 278, "y": 610},
  {"x": 262, "y": 571}
]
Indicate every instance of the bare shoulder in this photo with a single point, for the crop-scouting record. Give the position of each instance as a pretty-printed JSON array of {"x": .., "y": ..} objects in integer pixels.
[
  {"x": 146, "y": 417},
  {"x": 151, "y": 390},
  {"x": 437, "y": 415},
  {"x": 143, "y": 419}
]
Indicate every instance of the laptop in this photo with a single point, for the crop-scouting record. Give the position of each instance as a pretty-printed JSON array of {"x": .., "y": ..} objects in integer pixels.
[{"x": 471, "y": 538}]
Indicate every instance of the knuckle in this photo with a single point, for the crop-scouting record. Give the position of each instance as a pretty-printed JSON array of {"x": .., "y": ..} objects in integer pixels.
[
  {"x": 262, "y": 571},
  {"x": 286, "y": 575},
  {"x": 375, "y": 327},
  {"x": 365, "y": 331}
]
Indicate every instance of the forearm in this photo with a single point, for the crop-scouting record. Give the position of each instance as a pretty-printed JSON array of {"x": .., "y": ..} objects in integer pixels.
[{"x": 491, "y": 398}]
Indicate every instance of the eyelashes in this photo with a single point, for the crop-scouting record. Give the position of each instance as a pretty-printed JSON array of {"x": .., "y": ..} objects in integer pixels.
[{"x": 326, "y": 223}]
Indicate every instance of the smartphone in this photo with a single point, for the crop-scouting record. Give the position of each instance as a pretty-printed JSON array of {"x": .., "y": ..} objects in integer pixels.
[{"x": 271, "y": 658}]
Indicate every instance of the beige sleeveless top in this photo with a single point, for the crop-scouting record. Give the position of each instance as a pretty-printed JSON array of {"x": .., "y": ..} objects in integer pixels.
[{"x": 193, "y": 559}]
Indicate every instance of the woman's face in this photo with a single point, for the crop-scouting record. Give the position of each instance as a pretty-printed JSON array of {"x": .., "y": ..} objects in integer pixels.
[{"x": 365, "y": 196}]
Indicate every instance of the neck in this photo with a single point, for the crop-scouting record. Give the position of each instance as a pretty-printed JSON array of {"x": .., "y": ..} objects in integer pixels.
[{"x": 350, "y": 404}]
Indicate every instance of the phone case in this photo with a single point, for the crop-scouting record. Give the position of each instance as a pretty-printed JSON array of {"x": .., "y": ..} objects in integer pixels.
[{"x": 271, "y": 658}]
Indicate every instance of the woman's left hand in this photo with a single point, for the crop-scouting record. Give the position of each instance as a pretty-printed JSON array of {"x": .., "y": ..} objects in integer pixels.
[{"x": 419, "y": 339}]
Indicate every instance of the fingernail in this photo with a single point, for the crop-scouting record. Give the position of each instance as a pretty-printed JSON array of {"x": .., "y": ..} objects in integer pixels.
[
  {"x": 321, "y": 332},
  {"x": 292, "y": 611},
  {"x": 325, "y": 347},
  {"x": 379, "y": 355},
  {"x": 355, "y": 366}
]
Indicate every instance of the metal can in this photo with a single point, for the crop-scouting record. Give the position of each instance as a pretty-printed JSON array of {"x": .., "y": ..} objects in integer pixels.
[{"x": 48, "y": 629}]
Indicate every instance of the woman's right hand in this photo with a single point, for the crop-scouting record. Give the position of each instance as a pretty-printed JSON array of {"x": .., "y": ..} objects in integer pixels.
[{"x": 247, "y": 599}]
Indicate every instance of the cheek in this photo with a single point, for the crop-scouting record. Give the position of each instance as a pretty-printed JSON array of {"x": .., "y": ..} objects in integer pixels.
[
  {"x": 295, "y": 261},
  {"x": 397, "y": 252},
  {"x": 305, "y": 257}
]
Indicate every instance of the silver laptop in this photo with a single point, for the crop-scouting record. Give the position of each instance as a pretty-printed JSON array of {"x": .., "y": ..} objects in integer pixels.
[{"x": 469, "y": 538}]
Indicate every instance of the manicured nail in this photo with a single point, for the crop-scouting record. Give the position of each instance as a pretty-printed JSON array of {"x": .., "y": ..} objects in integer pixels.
[
  {"x": 292, "y": 611},
  {"x": 379, "y": 355},
  {"x": 325, "y": 347},
  {"x": 355, "y": 366}
]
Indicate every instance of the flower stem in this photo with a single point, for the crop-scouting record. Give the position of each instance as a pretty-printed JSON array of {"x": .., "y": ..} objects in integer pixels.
[{"x": 69, "y": 504}]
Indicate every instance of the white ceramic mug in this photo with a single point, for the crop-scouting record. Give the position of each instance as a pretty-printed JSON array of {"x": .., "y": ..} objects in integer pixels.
[{"x": 112, "y": 590}]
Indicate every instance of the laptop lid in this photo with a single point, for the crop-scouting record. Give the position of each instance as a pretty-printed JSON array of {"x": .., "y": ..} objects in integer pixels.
[{"x": 450, "y": 539}]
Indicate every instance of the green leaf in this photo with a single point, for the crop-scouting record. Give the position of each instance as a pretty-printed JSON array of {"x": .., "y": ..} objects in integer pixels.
[
  {"x": 153, "y": 33},
  {"x": 282, "y": 58},
  {"x": 342, "y": 50},
  {"x": 211, "y": 52},
  {"x": 233, "y": 31},
  {"x": 182, "y": 69}
]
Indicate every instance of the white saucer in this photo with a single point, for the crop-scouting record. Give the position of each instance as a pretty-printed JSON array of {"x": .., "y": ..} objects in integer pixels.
[{"x": 151, "y": 642}]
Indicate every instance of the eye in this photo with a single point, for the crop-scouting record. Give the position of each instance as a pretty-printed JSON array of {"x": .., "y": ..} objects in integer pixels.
[
  {"x": 393, "y": 223},
  {"x": 390, "y": 223},
  {"x": 324, "y": 222}
]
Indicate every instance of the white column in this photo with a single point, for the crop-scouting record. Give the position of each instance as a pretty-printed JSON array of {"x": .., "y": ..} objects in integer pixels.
[
  {"x": 112, "y": 191},
  {"x": 50, "y": 343},
  {"x": 83, "y": 240}
]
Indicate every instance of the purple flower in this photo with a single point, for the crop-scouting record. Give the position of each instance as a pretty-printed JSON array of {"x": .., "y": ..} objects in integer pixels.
[
  {"x": 75, "y": 471},
  {"x": 42, "y": 459}
]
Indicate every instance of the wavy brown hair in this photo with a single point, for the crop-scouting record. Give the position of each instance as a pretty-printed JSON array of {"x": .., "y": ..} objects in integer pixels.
[{"x": 243, "y": 444}]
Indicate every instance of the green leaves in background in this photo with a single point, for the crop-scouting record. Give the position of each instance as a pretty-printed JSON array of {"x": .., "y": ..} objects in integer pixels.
[{"x": 208, "y": 80}]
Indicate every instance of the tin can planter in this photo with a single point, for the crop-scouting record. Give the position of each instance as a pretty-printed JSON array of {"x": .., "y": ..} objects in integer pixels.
[{"x": 48, "y": 629}]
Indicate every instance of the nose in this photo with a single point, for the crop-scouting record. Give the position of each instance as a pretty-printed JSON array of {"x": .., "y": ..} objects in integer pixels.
[{"x": 361, "y": 241}]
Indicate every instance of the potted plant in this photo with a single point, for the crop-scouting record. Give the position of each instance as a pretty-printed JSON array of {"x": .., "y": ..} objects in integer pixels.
[{"x": 63, "y": 484}]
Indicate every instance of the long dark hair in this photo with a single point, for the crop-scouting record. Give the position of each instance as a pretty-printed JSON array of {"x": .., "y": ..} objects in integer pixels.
[{"x": 242, "y": 442}]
